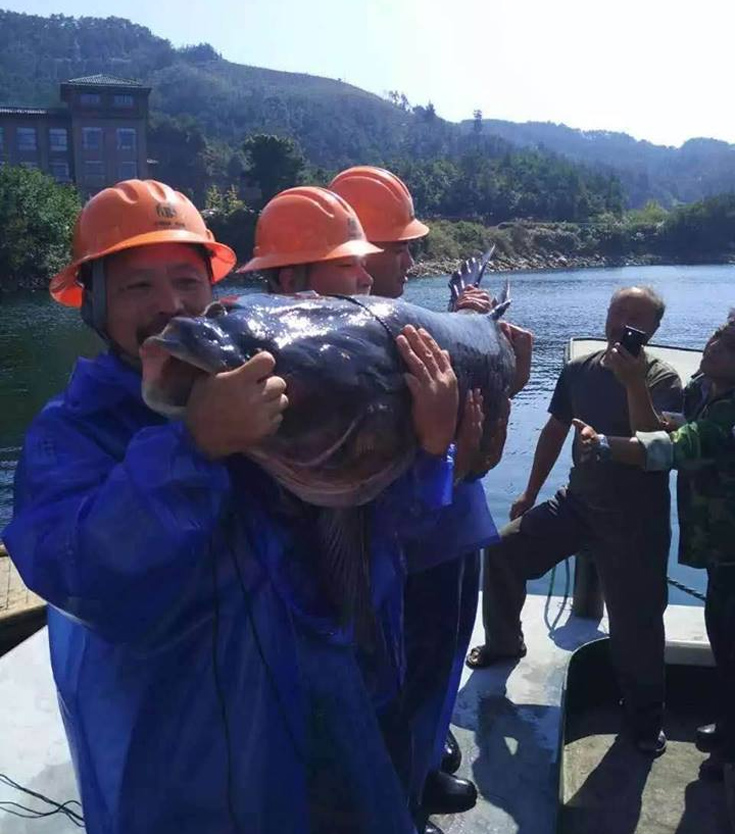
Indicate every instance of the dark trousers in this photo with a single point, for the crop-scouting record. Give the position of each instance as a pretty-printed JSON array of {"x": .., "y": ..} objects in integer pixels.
[
  {"x": 630, "y": 548},
  {"x": 440, "y": 608},
  {"x": 719, "y": 614}
]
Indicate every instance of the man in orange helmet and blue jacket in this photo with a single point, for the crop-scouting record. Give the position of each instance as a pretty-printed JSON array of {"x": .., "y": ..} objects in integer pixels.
[
  {"x": 200, "y": 692},
  {"x": 443, "y": 586},
  {"x": 308, "y": 239}
]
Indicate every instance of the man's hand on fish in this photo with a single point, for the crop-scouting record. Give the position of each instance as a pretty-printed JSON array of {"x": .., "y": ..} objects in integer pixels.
[
  {"x": 522, "y": 343},
  {"x": 230, "y": 412},
  {"x": 475, "y": 300},
  {"x": 433, "y": 387},
  {"x": 469, "y": 435},
  {"x": 628, "y": 369}
]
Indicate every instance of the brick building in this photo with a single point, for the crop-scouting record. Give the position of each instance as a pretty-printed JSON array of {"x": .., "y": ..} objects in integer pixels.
[{"x": 95, "y": 140}]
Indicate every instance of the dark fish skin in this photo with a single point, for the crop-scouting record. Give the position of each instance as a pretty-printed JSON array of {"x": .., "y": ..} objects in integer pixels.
[{"x": 347, "y": 432}]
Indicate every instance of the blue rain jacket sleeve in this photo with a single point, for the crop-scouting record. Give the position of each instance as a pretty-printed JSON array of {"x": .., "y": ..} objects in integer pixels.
[
  {"x": 413, "y": 500},
  {"x": 113, "y": 543},
  {"x": 454, "y": 530}
]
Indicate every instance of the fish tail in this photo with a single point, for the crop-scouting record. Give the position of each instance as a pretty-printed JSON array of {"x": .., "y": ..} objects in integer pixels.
[
  {"x": 504, "y": 302},
  {"x": 469, "y": 274},
  {"x": 499, "y": 309}
]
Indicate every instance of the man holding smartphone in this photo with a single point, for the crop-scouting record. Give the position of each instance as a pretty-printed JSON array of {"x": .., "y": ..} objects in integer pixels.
[{"x": 619, "y": 515}]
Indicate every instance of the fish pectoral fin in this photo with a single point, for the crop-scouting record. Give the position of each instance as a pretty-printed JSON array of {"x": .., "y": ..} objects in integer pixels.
[{"x": 344, "y": 539}]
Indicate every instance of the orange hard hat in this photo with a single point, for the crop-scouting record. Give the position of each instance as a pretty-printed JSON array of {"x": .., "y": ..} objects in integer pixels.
[
  {"x": 135, "y": 213},
  {"x": 306, "y": 225},
  {"x": 382, "y": 202}
]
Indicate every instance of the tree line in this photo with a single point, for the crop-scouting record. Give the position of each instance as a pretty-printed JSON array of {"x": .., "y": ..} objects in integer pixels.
[{"x": 37, "y": 216}]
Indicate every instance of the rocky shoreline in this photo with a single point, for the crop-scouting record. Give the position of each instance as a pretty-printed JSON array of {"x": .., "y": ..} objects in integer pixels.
[
  {"x": 538, "y": 261},
  {"x": 544, "y": 261}
]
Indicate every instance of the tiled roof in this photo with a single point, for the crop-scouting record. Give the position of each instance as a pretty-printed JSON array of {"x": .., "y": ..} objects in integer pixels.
[
  {"x": 7, "y": 110},
  {"x": 103, "y": 81}
]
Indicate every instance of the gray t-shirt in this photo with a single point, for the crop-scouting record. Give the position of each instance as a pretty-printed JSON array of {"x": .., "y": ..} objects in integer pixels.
[{"x": 590, "y": 392}]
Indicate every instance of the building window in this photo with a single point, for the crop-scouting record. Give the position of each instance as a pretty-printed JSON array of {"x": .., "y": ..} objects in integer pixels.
[
  {"x": 90, "y": 99},
  {"x": 26, "y": 138},
  {"x": 92, "y": 138},
  {"x": 94, "y": 172},
  {"x": 123, "y": 101},
  {"x": 58, "y": 139},
  {"x": 126, "y": 137},
  {"x": 128, "y": 170},
  {"x": 2, "y": 140},
  {"x": 60, "y": 171},
  {"x": 33, "y": 165}
]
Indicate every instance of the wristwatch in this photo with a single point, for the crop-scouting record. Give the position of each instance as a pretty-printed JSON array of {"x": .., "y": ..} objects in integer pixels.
[{"x": 602, "y": 450}]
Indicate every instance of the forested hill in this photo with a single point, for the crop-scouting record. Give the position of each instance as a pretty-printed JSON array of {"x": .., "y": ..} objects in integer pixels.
[
  {"x": 335, "y": 122},
  {"x": 203, "y": 107},
  {"x": 217, "y": 128},
  {"x": 699, "y": 168}
]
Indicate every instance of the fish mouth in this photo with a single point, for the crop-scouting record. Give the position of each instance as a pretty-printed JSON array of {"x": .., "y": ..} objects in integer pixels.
[
  {"x": 344, "y": 467},
  {"x": 325, "y": 455},
  {"x": 169, "y": 374}
]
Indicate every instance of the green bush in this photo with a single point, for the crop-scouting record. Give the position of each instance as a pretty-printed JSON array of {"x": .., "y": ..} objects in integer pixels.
[{"x": 37, "y": 216}]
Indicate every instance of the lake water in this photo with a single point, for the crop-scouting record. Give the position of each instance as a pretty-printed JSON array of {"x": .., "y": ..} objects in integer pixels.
[{"x": 40, "y": 340}]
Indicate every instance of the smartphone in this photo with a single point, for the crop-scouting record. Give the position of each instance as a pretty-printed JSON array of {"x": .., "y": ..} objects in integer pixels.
[{"x": 633, "y": 339}]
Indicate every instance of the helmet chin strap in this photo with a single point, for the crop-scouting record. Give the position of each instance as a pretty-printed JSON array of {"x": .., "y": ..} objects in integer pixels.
[{"x": 94, "y": 302}]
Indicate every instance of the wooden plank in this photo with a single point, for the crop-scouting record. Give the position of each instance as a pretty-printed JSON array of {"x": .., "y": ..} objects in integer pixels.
[{"x": 15, "y": 598}]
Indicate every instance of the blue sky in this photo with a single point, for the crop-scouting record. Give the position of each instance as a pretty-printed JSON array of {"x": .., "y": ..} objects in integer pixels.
[{"x": 657, "y": 69}]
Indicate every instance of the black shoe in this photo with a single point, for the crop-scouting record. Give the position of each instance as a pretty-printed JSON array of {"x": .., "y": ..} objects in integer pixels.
[
  {"x": 445, "y": 794},
  {"x": 712, "y": 768},
  {"x": 707, "y": 738},
  {"x": 452, "y": 756},
  {"x": 651, "y": 744},
  {"x": 431, "y": 828}
]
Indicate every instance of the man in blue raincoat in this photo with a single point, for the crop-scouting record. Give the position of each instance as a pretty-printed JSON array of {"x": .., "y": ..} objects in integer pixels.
[
  {"x": 443, "y": 560},
  {"x": 203, "y": 680},
  {"x": 311, "y": 257}
]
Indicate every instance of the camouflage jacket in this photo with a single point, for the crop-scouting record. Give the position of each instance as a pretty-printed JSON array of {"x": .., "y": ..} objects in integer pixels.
[{"x": 704, "y": 455}]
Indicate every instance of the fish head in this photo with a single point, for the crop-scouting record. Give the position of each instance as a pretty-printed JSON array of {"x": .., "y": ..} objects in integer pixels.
[
  {"x": 186, "y": 349},
  {"x": 347, "y": 431}
]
